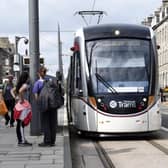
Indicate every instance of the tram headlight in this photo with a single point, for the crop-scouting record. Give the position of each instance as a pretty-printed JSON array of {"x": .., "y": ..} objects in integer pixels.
[
  {"x": 92, "y": 101},
  {"x": 117, "y": 32}
]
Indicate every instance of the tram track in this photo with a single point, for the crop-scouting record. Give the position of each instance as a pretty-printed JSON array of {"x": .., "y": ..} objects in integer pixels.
[
  {"x": 158, "y": 146},
  {"x": 106, "y": 161},
  {"x": 105, "y": 152}
]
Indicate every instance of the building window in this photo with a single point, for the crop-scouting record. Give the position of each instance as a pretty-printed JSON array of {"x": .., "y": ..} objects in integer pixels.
[
  {"x": 157, "y": 19},
  {"x": 163, "y": 14}
]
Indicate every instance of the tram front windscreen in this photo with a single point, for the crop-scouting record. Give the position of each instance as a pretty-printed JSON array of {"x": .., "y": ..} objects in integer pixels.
[{"x": 122, "y": 65}]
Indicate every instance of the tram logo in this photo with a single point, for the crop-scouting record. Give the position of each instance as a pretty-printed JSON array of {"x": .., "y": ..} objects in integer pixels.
[
  {"x": 127, "y": 104},
  {"x": 113, "y": 104},
  {"x": 122, "y": 104}
]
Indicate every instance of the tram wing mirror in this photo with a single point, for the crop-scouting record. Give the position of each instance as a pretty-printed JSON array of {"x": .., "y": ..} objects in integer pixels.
[
  {"x": 158, "y": 47},
  {"x": 75, "y": 48},
  {"x": 72, "y": 48}
]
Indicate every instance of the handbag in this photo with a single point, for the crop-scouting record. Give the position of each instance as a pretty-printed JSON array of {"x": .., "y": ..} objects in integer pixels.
[
  {"x": 3, "y": 108},
  {"x": 23, "y": 112}
]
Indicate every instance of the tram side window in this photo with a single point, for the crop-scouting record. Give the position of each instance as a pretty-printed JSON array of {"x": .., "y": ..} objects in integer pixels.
[{"x": 77, "y": 75}]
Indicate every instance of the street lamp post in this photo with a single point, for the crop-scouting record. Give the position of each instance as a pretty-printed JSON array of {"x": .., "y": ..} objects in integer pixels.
[{"x": 17, "y": 39}]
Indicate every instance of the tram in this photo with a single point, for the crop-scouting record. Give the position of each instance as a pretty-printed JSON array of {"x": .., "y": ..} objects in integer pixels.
[{"x": 112, "y": 83}]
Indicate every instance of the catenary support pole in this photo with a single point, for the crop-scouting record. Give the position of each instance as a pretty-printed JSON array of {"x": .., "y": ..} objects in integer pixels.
[
  {"x": 60, "y": 64},
  {"x": 35, "y": 127}
]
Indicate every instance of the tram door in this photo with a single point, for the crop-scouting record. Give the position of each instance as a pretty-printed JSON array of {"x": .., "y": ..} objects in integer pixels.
[{"x": 78, "y": 107}]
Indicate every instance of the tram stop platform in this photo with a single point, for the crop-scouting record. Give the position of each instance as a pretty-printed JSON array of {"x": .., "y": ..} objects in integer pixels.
[{"x": 12, "y": 156}]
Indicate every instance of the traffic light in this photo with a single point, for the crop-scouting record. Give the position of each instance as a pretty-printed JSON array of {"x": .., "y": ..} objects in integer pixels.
[
  {"x": 26, "y": 60},
  {"x": 41, "y": 61}
]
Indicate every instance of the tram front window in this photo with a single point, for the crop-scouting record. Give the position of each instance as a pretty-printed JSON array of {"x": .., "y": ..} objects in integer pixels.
[{"x": 123, "y": 64}]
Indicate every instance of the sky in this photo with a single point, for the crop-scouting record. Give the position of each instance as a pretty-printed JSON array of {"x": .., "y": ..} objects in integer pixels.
[{"x": 14, "y": 22}]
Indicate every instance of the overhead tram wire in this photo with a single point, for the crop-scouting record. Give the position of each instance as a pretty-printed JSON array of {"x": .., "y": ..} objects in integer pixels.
[
  {"x": 49, "y": 41},
  {"x": 94, "y": 2},
  {"x": 53, "y": 31}
]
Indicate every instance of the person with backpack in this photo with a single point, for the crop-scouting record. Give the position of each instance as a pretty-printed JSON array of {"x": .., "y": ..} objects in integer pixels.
[
  {"x": 37, "y": 87},
  {"x": 9, "y": 100},
  {"x": 50, "y": 100}
]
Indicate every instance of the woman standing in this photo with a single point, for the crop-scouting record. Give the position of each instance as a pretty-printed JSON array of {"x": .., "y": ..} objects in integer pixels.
[
  {"x": 9, "y": 100},
  {"x": 24, "y": 106}
]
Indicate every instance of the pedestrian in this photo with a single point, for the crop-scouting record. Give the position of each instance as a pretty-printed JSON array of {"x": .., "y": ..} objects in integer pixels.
[
  {"x": 38, "y": 85},
  {"x": 22, "y": 116},
  {"x": 9, "y": 100},
  {"x": 161, "y": 94},
  {"x": 59, "y": 84},
  {"x": 50, "y": 100}
]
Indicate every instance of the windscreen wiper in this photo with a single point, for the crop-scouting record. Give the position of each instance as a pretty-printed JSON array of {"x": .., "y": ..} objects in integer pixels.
[
  {"x": 91, "y": 52},
  {"x": 105, "y": 83}
]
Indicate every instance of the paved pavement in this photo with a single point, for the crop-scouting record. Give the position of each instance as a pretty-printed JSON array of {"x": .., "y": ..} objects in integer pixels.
[
  {"x": 12, "y": 156},
  {"x": 164, "y": 107},
  {"x": 164, "y": 103}
]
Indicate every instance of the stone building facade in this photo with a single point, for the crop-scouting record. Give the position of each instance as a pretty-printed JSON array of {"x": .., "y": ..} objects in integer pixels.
[
  {"x": 159, "y": 23},
  {"x": 6, "y": 58}
]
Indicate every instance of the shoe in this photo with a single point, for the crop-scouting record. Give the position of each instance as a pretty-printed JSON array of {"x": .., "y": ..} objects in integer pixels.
[
  {"x": 11, "y": 125},
  {"x": 22, "y": 144},
  {"x": 7, "y": 122},
  {"x": 27, "y": 143},
  {"x": 52, "y": 144},
  {"x": 43, "y": 144}
]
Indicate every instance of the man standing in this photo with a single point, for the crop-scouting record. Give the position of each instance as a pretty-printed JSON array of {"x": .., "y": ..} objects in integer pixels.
[
  {"x": 38, "y": 85},
  {"x": 48, "y": 101},
  {"x": 49, "y": 112}
]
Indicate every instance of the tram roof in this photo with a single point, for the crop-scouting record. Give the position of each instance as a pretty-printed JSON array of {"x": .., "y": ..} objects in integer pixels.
[{"x": 109, "y": 31}]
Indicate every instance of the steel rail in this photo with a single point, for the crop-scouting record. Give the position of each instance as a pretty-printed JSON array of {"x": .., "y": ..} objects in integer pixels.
[{"x": 105, "y": 159}]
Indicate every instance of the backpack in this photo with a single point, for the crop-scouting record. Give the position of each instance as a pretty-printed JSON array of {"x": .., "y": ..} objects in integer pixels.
[
  {"x": 43, "y": 99},
  {"x": 50, "y": 97}
]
